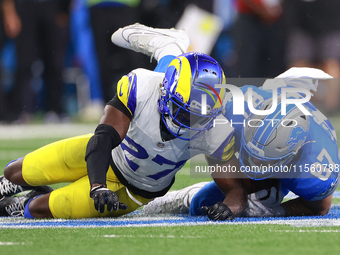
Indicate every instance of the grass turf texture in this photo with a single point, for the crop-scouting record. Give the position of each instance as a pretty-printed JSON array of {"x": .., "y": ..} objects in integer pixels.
[
  {"x": 240, "y": 239},
  {"x": 207, "y": 239}
]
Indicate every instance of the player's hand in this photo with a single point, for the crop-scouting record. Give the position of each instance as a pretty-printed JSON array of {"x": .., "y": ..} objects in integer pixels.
[
  {"x": 103, "y": 196},
  {"x": 268, "y": 197},
  {"x": 265, "y": 203},
  {"x": 218, "y": 211}
]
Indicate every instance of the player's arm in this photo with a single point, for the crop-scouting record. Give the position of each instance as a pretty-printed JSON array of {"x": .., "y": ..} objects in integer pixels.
[
  {"x": 303, "y": 207},
  {"x": 245, "y": 197},
  {"x": 111, "y": 130},
  {"x": 231, "y": 184},
  {"x": 109, "y": 133}
]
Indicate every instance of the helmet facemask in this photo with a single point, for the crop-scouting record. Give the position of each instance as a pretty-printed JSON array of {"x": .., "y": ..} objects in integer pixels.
[
  {"x": 261, "y": 167},
  {"x": 181, "y": 100}
]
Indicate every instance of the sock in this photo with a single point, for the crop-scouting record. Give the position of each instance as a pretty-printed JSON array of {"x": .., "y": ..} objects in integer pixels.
[
  {"x": 27, "y": 213},
  {"x": 163, "y": 63},
  {"x": 171, "y": 49},
  {"x": 10, "y": 162}
]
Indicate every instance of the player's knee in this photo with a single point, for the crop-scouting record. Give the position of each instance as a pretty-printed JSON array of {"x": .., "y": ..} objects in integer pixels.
[
  {"x": 13, "y": 171},
  {"x": 323, "y": 211},
  {"x": 39, "y": 207}
]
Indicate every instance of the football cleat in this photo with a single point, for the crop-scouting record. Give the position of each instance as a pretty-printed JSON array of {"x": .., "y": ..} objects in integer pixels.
[
  {"x": 15, "y": 206},
  {"x": 8, "y": 188},
  {"x": 177, "y": 201},
  {"x": 150, "y": 41}
]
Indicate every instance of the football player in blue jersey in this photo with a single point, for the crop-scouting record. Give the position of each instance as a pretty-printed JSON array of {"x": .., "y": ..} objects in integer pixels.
[
  {"x": 299, "y": 150},
  {"x": 148, "y": 131},
  {"x": 291, "y": 152}
]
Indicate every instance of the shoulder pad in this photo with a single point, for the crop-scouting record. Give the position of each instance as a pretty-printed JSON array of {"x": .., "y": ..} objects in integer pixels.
[{"x": 127, "y": 91}]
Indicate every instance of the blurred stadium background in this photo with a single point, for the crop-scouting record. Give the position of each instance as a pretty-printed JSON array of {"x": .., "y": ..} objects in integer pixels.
[{"x": 210, "y": 25}]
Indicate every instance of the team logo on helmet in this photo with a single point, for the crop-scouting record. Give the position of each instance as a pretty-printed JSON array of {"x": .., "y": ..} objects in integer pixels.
[{"x": 297, "y": 135}]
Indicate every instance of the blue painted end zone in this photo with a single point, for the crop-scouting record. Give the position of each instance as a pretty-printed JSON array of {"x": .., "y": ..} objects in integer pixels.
[{"x": 138, "y": 219}]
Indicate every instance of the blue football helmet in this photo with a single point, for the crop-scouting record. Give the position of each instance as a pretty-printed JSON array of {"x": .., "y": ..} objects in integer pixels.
[
  {"x": 270, "y": 142},
  {"x": 189, "y": 78}
]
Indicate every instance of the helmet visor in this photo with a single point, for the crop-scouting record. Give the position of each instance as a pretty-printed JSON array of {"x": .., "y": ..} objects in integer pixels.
[{"x": 185, "y": 116}]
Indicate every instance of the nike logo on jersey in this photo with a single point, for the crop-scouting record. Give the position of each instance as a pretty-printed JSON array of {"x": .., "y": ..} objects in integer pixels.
[{"x": 120, "y": 91}]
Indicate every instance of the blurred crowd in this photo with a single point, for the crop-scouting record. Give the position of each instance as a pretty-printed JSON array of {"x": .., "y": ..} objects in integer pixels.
[{"x": 57, "y": 59}]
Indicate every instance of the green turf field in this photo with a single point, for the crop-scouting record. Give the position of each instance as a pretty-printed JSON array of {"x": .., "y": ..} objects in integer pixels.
[
  {"x": 199, "y": 239},
  {"x": 239, "y": 239}
]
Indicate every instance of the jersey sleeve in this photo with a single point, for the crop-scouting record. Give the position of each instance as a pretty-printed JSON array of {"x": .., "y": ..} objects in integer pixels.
[
  {"x": 127, "y": 92},
  {"x": 226, "y": 150},
  {"x": 115, "y": 102}
]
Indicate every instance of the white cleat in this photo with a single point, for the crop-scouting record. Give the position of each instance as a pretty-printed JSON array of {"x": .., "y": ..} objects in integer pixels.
[
  {"x": 150, "y": 41},
  {"x": 174, "y": 202}
]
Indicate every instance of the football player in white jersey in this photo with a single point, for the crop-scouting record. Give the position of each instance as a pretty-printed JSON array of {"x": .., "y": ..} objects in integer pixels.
[{"x": 156, "y": 122}]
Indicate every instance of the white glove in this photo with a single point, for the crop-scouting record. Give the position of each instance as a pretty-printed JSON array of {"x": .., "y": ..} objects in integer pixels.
[{"x": 265, "y": 203}]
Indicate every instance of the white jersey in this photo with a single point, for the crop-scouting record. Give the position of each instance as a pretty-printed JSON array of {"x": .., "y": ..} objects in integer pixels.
[{"x": 145, "y": 160}]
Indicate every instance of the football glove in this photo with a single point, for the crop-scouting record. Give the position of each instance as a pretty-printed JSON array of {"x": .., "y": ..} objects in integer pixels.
[
  {"x": 103, "y": 196},
  {"x": 265, "y": 203},
  {"x": 218, "y": 211}
]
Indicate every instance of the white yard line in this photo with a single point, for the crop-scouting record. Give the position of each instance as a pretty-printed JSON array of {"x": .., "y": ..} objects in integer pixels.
[
  {"x": 11, "y": 243},
  {"x": 307, "y": 231},
  {"x": 21, "y": 223},
  {"x": 150, "y": 236}
]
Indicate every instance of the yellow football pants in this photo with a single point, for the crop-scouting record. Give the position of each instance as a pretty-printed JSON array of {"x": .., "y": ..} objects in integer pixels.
[{"x": 64, "y": 161}]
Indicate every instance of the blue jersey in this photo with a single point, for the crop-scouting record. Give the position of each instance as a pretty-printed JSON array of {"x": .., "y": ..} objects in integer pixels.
[{"x": 320, "y": 149}]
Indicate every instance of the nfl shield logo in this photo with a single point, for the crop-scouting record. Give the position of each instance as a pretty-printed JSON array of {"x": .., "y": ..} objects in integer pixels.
[{"x": 160, "y": 145}]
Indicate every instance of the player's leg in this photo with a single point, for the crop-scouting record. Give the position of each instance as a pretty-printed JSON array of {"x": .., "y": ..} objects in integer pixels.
[
  {"x": 12, "y": 182},
  {"x": 208, "y": 195},
  {"x": 13, "y": 173},
  {"x": 61, "y": 161},
  {"x": 8, "y": 188},
  {"x": 44, "y": 166},
  {"x": 177, "y": 201},
  {"x": 153, "y": 42},
  {"x": 74, "y": 202}
]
